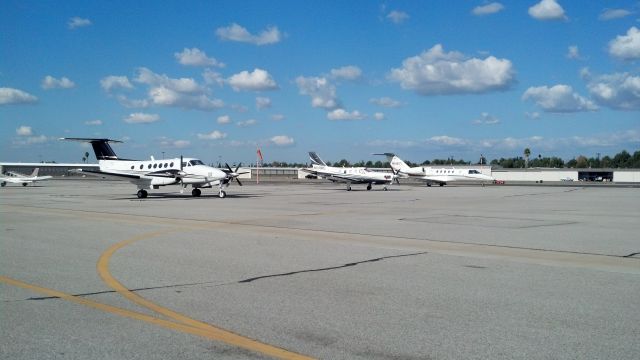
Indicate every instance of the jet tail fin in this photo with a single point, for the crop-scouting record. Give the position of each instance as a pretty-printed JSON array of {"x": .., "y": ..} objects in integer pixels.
[
  {"x": 316, "y": 159},
  {"x": 396, "y": 163},
  {"x": 35, "y": 172},
  {"x": 100, "y": 147}
]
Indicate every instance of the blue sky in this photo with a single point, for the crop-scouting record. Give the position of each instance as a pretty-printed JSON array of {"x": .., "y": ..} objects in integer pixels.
[{"x": 423, "y": 79}]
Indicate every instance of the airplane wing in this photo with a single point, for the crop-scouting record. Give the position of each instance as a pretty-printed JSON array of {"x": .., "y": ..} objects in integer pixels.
[
  {"x": 437, "y": 180},
  {"x": 135, "y": 179},
  {"x": 15, "y": 180}
]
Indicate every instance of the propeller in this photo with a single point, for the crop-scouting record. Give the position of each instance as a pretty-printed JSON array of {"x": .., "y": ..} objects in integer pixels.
[
  {"x": 182, "y": 174},
  {"x": 396, "y": 176},
  {"x": 231, "y": 174}
]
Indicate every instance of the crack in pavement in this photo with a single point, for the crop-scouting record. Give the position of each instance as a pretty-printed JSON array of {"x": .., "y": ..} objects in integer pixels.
[
  {"x": 329, "y": 268},
  {"x": 244, "y": 281}
]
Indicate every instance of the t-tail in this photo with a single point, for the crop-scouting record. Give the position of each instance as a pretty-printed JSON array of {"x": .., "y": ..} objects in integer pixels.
[{"x": 101, "y": 147}]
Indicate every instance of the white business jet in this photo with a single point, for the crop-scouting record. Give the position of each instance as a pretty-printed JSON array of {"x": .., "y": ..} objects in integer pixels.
[
  {"x": 151, "y": 174},
  {"x": 17, "y": 178},
  {"x": 433, "y": 175},
  {"x": 350, "y": 175}
]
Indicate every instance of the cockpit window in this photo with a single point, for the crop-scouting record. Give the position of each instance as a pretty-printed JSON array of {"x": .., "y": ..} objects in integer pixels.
[
  {"x": 196, "y": 162},
  {"x": 474, "y": 172}
]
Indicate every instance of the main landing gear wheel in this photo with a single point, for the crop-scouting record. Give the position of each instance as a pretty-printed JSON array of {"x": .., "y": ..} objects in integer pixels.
[
  {"x": 222, "y": 194},
  {"x": 3, "y": 183},
  {"x": 196, "y": 192},
  {"x": 385, "y": 188},
  {"x": 348, "y": 187},
  {"x": 369, "y": 187},
  {"x": 142, "y": 194}
]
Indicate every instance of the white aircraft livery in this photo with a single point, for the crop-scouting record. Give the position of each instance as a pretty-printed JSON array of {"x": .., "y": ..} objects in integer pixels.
[
  {"x": 17, "y": 178},
  {"x": 151, "y": 174},
  {"x": 433, "y": 175},
  {"x": 350, "y": 175}
]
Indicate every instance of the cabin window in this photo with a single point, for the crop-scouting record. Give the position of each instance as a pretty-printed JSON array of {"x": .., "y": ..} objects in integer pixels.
[
  {"x": 131, "y": 167},
  {"x": 165, "y": 165},
  {"x": 141, "y": 166},
  {"x": 155, "y": 166},
  {"x": 171, "y": 164},
  {"x": 149, "y": 167}
]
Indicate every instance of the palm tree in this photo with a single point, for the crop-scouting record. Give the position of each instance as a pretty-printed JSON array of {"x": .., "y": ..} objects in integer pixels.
[{"x": 527, "y": 152}]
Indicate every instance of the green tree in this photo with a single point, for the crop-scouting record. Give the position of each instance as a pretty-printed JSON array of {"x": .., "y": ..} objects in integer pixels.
[
  {"x": 527, "y": 153},
  {"x": 582, "y": 162}
]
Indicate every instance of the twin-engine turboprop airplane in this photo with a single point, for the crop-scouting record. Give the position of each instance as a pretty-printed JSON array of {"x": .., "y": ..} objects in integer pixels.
[
  {"x": 151, "y": 174},
  {"x": 17, "y": 178},
  {"x": 432, "y": 175},
  {"x": 351, "y": 175}
]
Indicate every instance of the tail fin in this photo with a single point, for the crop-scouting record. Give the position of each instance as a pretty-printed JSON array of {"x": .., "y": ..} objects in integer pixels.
[
  {"x": 100, "y": 147},
  {"x": 316, "y": 159},
  {"x": 396, "y": 163},
  {"x": 35, "y": 172}
]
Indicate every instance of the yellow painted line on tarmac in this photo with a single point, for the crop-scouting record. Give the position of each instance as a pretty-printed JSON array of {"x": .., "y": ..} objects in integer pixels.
[
  {"x": 239, "y": 341},
  {"x": 213, "y": 332}
]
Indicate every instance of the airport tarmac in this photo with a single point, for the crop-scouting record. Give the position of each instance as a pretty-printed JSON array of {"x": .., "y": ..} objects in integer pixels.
[{"x": 89, "y": 271}]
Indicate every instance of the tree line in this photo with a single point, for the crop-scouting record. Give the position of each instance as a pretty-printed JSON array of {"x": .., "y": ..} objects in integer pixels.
[{"x": 623, "y": 160}]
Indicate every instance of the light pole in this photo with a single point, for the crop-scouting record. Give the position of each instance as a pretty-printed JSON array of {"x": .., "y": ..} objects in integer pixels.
[{"x": 163, "y": 155}]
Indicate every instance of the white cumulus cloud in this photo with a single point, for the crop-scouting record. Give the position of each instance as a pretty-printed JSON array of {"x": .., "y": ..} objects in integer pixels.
[
  {"x": 486, "y": 119},
  {"x": 93, "y": 122},
  {"x": 446, "y": 140},
  {"x": 141, "y": 118},
  {"x": 235, "y": 32},
  {"x": 258, "y": 80},
  {"x": 10, "y": 96},
  {"x": 547, "y": 10},
  {"x": 341, "y": 114},
  {"x": 263, "y": 103},
  {"x": 214, "y": 135},
  {"x": 282, "y": 140},
  {"x": 435, "y": 72},
  {"x": 247, "y": 123},
  {"x": 349, "y": 72},
  {"x": 619, "y": 91},
  {"x": 24, "y": 131},
  {"x": 573, "y": 52},
  {"x": 611, "y": 14},
  {"x": 378, "y": 116},
  {"x": 113, "y": 82},
  {"x": 78, "y": 22},
  {"x": 196, "y": 57},
  {"x": 224, "y": 119},
  {"x": 558, "y": 99},
  {"x": 386, "y": 102},
  {"x": 49, "y": 82},
  {"x": 626, "y": 47},
  {"x": 165, "y": 91},
  {"x": 322, "y": 92},
  {"x": 397, "y": 17},
  {"x": 487, "y": 9}
]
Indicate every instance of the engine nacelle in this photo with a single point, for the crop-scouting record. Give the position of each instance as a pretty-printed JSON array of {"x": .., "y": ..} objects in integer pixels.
[{"x": 160, "y": 181}]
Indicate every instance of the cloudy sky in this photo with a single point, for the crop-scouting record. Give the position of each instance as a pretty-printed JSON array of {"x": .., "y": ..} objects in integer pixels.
[{"x": 423, "y": 79}]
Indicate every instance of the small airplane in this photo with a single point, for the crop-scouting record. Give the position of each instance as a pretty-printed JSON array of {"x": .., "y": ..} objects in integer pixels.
[
  {"x": 17, "y": 178},
  {"x": 432, "y": 175},
  {"x": 151, "y": 174},
  {"x": 350, "y": 175}
]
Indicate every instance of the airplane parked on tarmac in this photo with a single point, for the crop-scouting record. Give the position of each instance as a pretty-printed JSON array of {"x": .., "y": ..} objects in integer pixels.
[
  {"x": 151, "y": 174},
  {"x": 433, "y": 175},
  {"x": 350, "y": 175},
  {"x": 17, "y": 178}
]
